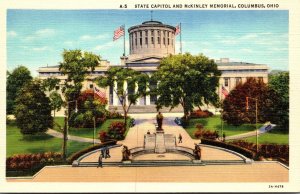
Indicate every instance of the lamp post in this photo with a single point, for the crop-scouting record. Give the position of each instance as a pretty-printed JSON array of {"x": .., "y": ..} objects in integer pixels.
[
  {"x": 94, "y": 130},
  {"x": 256, "y": 112}
]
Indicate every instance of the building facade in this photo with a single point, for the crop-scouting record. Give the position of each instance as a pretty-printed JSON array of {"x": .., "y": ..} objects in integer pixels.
[{"x": 149, "y": 42}]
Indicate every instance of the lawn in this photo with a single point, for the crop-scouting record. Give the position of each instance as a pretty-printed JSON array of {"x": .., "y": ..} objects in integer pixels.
[
  {"x": 88, "y": 132},
  {"x": 274, "y": 136},
  {"x": 214, "y": 123},
  {"x": 19, "y": 144}
]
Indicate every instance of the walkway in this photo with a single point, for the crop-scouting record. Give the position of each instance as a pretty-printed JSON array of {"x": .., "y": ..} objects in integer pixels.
[
  {"x": 148, "y": 122},
  {"x": 71, "y": 137},
  {"x": 145, "y": 122},
  {"x": 256, "y": 172}
]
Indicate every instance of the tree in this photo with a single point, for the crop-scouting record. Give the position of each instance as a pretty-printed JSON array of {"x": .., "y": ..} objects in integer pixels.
[
  {"x": 91, "y": 110},
  {"x": 50, "y": 83},
  {"x": 32, "y": 110},
  {"x": 16, "y": 79},
  {"x": 279, "y": 111},
  {"x": 235, "y": 110},
  {"x": 188, "y": 81},
  {"x": 76, "y": 65},
  {"x": 131, "y": 85},
  {"x": 56, "y": 102}
]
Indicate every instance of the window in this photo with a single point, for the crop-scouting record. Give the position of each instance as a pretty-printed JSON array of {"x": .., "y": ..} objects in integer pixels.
[
  {"x": 238, "y": 80},
  {"x": 91, "y": 86},
  {"x": 158, "y": 40},
  {"x": 146, "y": 40},
  {"x": 168, "y": 41},
  {"x": 152, "y": 40},
  {"x": 141, "y": 33},
  {"x": 260, "y": 79},
  {"x": 152, "y": 32},
  {"x": 56, "y": 87},
  {"x": 164, "y": 41},
  {"x": 226, "y": 82},
  {"x": 141, "y": 41},
  {"x": 146, "y": 33}
]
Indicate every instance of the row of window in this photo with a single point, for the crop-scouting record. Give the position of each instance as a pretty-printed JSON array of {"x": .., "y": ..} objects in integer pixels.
[
  {"x": 165, "y": 40},
  {"x": 58, "y": 73},
  {"x": 237, "y": 80},
  {"x": 244, "y": 70}
]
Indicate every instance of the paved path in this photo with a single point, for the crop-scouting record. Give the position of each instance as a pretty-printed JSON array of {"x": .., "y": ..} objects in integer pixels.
[
  {"x": 145, "y": 122},
  {"x": 148, "y": 122},
  {"x": 71, "y": 137},
  {"x": 256, "y": 172},
  {"x": 265, "y": 128}
]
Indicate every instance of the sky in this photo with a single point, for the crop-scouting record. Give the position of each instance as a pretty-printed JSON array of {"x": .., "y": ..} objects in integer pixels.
[{"x": 37, "y": 38}]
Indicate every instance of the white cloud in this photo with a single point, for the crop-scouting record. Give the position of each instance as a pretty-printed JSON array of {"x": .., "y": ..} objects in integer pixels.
[
  {"x": 45, "y": 32},
  {"x": 69, "y": 43},
  {"x": 91, "y": 37},
  {"x": 12, "y": 34},
  {"x": 107, "y": 45},
  {"x": 38, "y": 49},
  {"x": 42, "y": 33}
]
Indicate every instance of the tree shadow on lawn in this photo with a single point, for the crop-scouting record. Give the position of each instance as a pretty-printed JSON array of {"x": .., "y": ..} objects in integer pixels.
[{"x": 36, "y": 137}]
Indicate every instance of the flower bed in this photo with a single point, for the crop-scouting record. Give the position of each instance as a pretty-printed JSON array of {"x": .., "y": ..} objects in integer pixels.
[
  {"x": 28, "y": 164},
  {"x": 201, "y": 114},
  {"x": 271, "y": 151}
]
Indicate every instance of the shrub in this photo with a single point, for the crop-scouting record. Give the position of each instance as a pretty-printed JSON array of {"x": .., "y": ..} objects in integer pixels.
[
  {"x": 274, "y": 151},
  {"x": 184, "y": 122},
  {"x": 116, "y": 130},
  {"x": 23, "y": 162},
  {"x": 205, "y": 134},
  {"x": 201, "y": 114},
  {"x": 103, "y": 136},
  {"x": 114, "y": 115},
  {"x": 241, "y": 150}
]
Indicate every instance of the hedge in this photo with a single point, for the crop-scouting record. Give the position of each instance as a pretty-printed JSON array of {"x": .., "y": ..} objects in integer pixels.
[
  {"x": 76, "y": 155},
  {"x": 29, "y": 164},
  {"x": 248, "y": 153}
]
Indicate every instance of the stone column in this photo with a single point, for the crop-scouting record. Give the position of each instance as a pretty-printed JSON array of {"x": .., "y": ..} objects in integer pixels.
[
  {"x": 148, "y": 97},
  {"x": 135, "y": 91},
  {"x": 115, "y": 97}
]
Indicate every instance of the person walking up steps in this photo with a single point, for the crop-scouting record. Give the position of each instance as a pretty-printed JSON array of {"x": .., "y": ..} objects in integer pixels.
[{"x": 179, "y": 138}]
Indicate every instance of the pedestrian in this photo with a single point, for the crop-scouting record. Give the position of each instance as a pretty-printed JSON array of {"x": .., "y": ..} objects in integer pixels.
[
  {"x": 103, "y": 153},
  {"x": 100, "y": 161},
  {"x": 224, "y": 136},
  {"x": 180, "y": 138},
  {"x": 107, "y": 153}
]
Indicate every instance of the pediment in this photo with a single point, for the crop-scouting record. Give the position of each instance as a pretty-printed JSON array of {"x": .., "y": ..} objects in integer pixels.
[{"x": 148, "y": 59}]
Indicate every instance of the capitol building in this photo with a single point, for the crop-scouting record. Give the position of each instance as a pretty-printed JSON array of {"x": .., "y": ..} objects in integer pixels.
[{"x": 149, "y": 42}]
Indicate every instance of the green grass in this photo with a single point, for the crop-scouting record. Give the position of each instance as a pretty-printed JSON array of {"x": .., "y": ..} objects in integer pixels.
[
  {"x": 19, "y": 144},
  {"x": 214, "y": 123},
  {"x": 275, "y": 136},
  {"x": 88, "y": 132}
]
